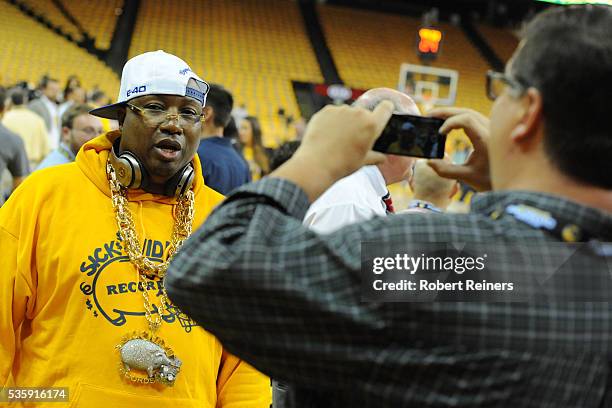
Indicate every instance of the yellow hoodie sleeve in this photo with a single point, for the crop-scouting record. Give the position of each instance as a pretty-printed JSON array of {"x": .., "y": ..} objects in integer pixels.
[
  {"x": 241, "y": 386},
  {"x": 17, "y": 294}
]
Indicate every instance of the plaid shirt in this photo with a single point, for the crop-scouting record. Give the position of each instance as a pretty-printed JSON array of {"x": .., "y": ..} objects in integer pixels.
[{"x": 288, "y": 301}]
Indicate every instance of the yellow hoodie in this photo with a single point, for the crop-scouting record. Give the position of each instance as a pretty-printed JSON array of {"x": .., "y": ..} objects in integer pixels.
[{"x": 69, "y": 294}]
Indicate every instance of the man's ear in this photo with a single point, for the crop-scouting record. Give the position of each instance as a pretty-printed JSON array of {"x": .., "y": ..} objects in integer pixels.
[
  {"x": 530, "y": 121},
  {"x": 209, "y": 114},
  {"x": 65, "y": 133}
]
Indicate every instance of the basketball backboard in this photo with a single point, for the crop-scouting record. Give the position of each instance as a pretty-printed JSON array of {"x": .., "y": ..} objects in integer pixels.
[{"x": 429, "y": 85}]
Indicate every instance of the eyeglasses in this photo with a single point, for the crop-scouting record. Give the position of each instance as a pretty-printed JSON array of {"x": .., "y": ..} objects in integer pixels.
[
  {"x": 498, "y": 81},
  {"x": 157, "y": 116}
]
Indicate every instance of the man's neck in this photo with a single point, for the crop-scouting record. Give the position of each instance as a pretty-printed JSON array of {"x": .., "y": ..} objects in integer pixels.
[
  {"x": 376, "y": 178},
  {"x": 67, "y": 148},
  {"x": 211, "y": 132},
  {"x": 385, "y": 176}
]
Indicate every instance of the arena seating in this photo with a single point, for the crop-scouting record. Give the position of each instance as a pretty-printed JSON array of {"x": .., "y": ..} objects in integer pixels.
[
  {"x": 34, "y": 50},
  {"x": 369, "y": 48},
  {"x": 253, "y": 47},
  {"x": 98, "y": 18},
  {"x": 257, "y": 47},
  {"x": 503, "y": 42},
  {"x": 49, "y": 11}
]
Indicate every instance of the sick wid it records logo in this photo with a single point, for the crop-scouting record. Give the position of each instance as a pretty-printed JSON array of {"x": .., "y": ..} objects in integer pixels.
[{"x": 112, "y": 287}]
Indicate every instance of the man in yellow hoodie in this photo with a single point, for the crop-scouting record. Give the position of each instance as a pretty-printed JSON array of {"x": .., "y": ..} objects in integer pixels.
[{"x": 84, "y": 249}]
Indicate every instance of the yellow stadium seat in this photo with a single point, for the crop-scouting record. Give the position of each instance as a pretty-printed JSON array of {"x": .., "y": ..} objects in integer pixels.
[
  {"x": 47, "y": 9},
  {"x": 255, "y": 48},
  {"x": 98, "y": 18},
  {"x": 503, "y": 41},
  {"x": 34, "y": 50}
]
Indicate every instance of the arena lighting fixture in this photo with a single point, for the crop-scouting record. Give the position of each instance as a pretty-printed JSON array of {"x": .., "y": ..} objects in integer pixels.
[{"x": 569, "y": 2}]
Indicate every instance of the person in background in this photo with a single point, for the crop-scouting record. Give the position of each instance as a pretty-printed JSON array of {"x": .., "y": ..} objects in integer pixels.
[
  {"x": 47, "y": 108},
  {"x": 29, "y": 126},
  {"x": 97, "y": 99},
  {"x": 12, "y": 155},
  {"x": 72, "y": 96},
  {"x": 363, "y": 194},
  {"x": 230, "y": 132},
  {"x": 78, "y": 128},
  {"x": 253, "y": 149},
  {"x": 431, "y": 193},
  {"x": 222, "y": 166},
  {"x": 283, "y": 153},
  {"x": 72, "y": 82},
  {"x": 239, "y": 113}
]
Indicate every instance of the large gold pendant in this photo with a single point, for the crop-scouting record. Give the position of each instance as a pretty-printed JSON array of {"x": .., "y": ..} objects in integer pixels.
[{"x": 146, "y": 359}]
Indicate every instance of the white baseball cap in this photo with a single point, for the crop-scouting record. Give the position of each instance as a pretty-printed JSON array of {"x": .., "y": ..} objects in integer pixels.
[{"x": 155, "y": 73}]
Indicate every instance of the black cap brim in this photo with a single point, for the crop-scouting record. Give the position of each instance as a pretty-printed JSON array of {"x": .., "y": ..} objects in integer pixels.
[{"x": 108, "y": 111}]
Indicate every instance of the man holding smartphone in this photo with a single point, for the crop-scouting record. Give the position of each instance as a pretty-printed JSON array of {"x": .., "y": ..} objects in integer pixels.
[
  {"x": 363, "y": 194},
  {"x": 298, "y": 294}
]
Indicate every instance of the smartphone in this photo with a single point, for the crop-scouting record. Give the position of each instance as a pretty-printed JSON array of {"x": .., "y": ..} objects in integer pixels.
[{"x": 409, "y": 135}]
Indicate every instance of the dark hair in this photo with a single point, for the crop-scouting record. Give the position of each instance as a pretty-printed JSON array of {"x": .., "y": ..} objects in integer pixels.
[
  {"x": 283, "y": 153},
  {"x": 222, "y": 102},
  {"x": 45, "y": 80},
  {"x": 69, "y": 88},
  {"x": 256, "y": 130},
  {"x": 231, "y": 131},
  {"x": 567, "y": 56},
  {"x": 70, "y": 91},
  {"x": 18, "y": 97},
  {"x": 259, "y": 151},
  {"x": 97, "y": 94},
  {"x": 2, "y": 98},
  {"x": 75, "y": 110}
]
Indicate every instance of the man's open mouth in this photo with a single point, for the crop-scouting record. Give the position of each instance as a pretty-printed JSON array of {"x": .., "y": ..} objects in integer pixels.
[{"x": 168, "y": 149}]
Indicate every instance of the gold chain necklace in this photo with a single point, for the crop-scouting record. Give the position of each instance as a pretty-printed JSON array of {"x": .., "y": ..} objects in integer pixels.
[{"x": 143, "y": 350}]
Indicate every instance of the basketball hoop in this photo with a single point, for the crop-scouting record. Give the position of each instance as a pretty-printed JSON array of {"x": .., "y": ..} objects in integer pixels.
[{"x": 427, "y": 102}]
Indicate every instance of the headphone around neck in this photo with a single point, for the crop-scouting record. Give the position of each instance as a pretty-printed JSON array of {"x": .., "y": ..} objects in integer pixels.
[{"x": 131, "y": 173}]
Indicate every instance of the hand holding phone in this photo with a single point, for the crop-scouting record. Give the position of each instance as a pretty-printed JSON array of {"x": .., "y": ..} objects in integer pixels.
[
  {"x": 475, "y": 171},
  {"x": 410, "y": 135}
]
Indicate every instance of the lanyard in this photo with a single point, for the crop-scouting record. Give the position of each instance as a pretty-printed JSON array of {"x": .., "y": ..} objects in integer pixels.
[
  {"x": 560, "y": 227},
  {"x": 425, "y": 206}
]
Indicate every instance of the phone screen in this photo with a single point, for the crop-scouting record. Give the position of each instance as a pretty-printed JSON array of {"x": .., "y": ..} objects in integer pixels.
[{"x": 410, "y": 135}]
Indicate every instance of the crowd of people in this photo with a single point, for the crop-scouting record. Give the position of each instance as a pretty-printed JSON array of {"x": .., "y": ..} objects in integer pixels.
[
  {"x": 162, "y": 255},
  {"x": 49, "y": 125}
]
